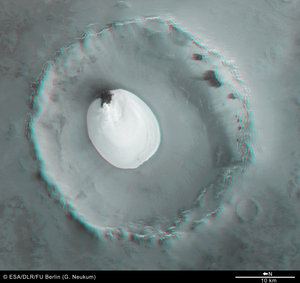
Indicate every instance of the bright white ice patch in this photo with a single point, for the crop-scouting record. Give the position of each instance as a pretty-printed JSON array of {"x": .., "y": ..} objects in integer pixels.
[{"x": 125, "y": 132}]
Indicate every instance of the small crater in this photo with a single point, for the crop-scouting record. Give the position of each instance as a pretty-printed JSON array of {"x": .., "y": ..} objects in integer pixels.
[
  {"x": 211, "y": 77},
  {"x": 247, "y": 210},
  {"x": 122, "y": 5}
]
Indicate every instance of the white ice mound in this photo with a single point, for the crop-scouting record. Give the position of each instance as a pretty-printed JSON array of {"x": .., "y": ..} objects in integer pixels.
[{"x": 125, "y": 131}]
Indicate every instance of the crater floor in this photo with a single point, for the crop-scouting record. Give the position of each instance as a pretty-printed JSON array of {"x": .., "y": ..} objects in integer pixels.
[{"x": 226, "y": 76}]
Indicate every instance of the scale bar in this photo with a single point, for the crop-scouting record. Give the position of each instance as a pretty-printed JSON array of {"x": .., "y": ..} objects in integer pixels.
[{"x": 291, "y": 277}]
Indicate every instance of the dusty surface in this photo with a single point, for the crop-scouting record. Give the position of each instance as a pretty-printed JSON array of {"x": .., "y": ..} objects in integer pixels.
[{"x": 258, "y": 225}]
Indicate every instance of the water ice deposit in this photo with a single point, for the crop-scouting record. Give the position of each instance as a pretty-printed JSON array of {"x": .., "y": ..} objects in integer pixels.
[{"x": 124, "y": 131}]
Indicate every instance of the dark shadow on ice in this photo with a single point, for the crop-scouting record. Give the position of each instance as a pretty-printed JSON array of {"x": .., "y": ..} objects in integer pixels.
[{"x": 105, "y": 96}]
